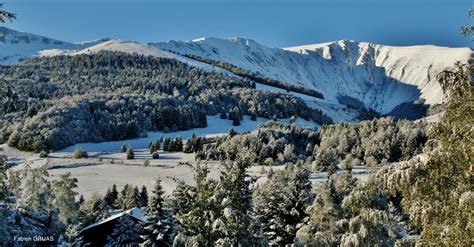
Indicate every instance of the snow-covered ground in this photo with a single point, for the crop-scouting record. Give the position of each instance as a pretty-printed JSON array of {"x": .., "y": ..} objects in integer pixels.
[
  {"x": 380, "y": 76},
  {"x": 135, "y": 48},
  {"x": 16, "y": 46},
  {"x": 104, "y": 169},
  {"x": 215, "y": 126}
]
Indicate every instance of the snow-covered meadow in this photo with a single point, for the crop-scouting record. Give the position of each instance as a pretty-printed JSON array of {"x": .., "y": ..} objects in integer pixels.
[{"x": 215, "y": 126}]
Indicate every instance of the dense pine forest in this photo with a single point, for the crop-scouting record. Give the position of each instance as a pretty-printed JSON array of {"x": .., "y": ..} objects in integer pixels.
[{"x": 53, "y": 102}]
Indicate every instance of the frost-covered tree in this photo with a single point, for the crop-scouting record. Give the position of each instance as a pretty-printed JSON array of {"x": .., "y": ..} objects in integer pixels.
[
  {"x": 111, "y": 196},
  {"x": 125, "y": 233},
  {"x": 436, "y": 187},
  {"x": 194, "y": 144},
  {"x": 196, "y": 210},
  {"x": 325, "y": 212},
  {"x": 3, "y": 179},
  {"x": 237, "y": 226},
  {"x": 467, "y": 30},
  {"x": 154, "y": 146},
  {"x": 325, "y": 160},
  {"x": 93, "y": 209},
  {"x": 36, "y": 189},
  {"x": 128, "y": 198},
  {"x": 159, "y": 228},
  {"x": 281, "y": 203},
  {"x": 288, "y": 153},
  {"x": 64, "y": 198}
]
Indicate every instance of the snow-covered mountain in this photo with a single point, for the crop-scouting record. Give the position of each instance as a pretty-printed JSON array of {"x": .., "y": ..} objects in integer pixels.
[
  {"x": 345, "y": 72},
  {"x": 133, "y": 47},
  {"x": 382, "y": 77},
  {"x": 16, "y": 46}
]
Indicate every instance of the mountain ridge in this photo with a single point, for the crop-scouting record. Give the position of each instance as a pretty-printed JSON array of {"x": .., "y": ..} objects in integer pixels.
[
  {"x": 346, "y": 72},
  {"x": 376, "y": 69}
]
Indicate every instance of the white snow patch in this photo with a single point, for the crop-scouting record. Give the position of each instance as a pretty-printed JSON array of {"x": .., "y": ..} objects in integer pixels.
[{"x": 215, "y": 125}]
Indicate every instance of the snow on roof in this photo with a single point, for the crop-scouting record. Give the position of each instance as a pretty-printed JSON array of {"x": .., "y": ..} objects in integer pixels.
[{"x": 134, "y": 212}]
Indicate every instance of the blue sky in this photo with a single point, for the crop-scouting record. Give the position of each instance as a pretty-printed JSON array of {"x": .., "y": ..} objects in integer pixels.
[{"x": 276, "y": 23}]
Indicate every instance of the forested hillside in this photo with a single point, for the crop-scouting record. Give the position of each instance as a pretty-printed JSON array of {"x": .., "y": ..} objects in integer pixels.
[
  {"x": 67, "y": 92},
  {"x": 369, "y": 143}
]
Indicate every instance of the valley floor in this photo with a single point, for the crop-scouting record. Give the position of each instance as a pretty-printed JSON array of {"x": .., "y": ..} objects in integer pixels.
[{"x": 103, "y": 169}]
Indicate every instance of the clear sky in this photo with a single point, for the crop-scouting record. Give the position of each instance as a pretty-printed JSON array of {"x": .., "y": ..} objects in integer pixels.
[{"x": 275, "y": 23}]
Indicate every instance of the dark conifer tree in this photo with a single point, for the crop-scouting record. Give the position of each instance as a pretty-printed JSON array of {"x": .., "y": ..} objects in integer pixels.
[
  {"x": 111, "y": 196},
  {"x": 143, "y": 197},
  {"x": 223, "y": 114}
]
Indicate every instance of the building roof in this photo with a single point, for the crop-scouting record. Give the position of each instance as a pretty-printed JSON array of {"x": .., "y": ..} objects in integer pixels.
[{"x": 134, "y": 212}]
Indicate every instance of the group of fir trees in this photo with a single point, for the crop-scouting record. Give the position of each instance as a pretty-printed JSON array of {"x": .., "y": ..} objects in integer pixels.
[
  {"x": 194, "y": 144},
  {"x": 173, "y": 144},
  {"x": 368, "y": 143}
]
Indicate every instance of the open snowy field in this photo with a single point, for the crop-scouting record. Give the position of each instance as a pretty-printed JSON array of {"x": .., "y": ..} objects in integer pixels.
[
  {"x": 215, "y": 126},
  {"x": 103, "y": 169}
]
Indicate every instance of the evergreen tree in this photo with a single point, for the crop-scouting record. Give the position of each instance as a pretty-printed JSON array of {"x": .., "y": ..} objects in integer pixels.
[
  {"x": 153, "y": 147},
  {"x": 36, "y": 189},
  {"x": 236, "y": 120},
  {"x": 196, "y": 210},
  {"x": 128, "y": 198},
  {"x": 436, "y": 188},
  {"x": 253, "y": 117},
  {"x": 64, "y": 198},
  {"x": 143, "y": 197},
  {"x": 125, "y": 233},
  {"x": 178, "y": 147},
  {"x": 223, "y": 115},
  {"x": 93, "y": 210},
  {"x": 3, "y": 179},
  {"x": 194, "y": 144},
  {"x": 167, "y": 144},
  {"x": 111, "y": 196},
  {"x": 159, "y": 229},
  {"x": 281, "y": 203},
  {"x": 136, "y": 197},
  {"x": 326, "y": 159},
  {"x": 237, "y": 226}
]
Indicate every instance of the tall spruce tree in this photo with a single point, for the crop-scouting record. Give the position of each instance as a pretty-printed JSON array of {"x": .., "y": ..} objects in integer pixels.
[
  {"x": 143, "y": 197},
  {"x": 159, "y": 229},
  {"x": 111, "y": 196},
  {"x": 196, "y": 210},
  {"x": 281, "y": 204},
  {"x": 237, "y": 225},
  {"x": 64, "y": 198}
]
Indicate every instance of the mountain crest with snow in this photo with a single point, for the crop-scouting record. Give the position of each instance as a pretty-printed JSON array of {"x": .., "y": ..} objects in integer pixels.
[{"x": 347, "y": 73}]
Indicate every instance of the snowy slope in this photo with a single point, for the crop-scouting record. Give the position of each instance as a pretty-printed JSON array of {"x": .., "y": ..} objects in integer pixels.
[
  {"x": 133, "y": 48},
  {"x": 382, "y": 77},
  {"x": 16, "y": 46}
]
